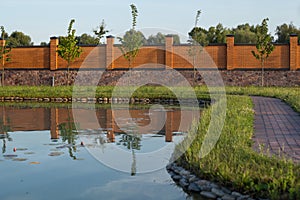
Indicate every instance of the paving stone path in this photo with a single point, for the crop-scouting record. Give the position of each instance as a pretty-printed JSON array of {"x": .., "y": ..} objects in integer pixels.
[{"x": 277, "y": 127}]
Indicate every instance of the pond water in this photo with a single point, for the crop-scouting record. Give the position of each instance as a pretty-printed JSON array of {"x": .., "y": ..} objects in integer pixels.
[{"x": 46, "y": 155}]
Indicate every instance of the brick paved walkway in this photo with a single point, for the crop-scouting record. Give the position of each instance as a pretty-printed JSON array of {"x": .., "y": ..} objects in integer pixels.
[{"x": 277, "y": 126}]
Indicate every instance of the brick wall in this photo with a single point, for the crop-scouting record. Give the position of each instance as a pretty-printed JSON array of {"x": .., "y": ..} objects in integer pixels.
[
  {"x": 228, "y": 56},
  {"x": 38, "y": 65}
]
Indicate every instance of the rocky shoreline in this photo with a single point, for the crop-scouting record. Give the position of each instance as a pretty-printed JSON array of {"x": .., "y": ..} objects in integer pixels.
[{"x": 206, "y": 189}]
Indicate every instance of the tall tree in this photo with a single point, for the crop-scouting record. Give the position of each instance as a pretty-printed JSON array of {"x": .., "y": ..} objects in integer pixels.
[
  {"x": 18, "y": 38},
  {"x": 86, "y": 39},
  {"x": 4, "y": 53},
  {"x": 245, "y": 33},
  {"x": 264, "y": 46},
  {"x": 198, "y": 38},
  {"x": 157, "y": 39},
  {"x": 133, "y": 40},
  {"x": 199, "y": 35},
  {"x": 67, "y": 47},
  {"x": 284, "y": 31},
  {"x": 44, "y": 44},
  {"x": 100, "y": 31},
  {"x": 160, "y": 38}
]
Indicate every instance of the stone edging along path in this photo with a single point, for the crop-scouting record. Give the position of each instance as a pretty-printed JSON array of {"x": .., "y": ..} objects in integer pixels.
[{"x": 101, "y": 100}]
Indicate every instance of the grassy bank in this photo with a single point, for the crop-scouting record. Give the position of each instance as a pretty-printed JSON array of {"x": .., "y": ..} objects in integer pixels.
[{"x": 234, "y": 163}]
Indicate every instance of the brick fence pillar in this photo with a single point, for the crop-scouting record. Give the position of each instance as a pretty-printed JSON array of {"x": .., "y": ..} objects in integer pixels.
[
  {"x": 2, "y": 44},
  {"x": 293, "y": 52},
  {"x": 230, "y": 51},
  {"x": 53, "y": 53},
  {"x": 109, "y": 57},
  {"x": 169, "y": 51},
  {"x": 54, "y": 123}
]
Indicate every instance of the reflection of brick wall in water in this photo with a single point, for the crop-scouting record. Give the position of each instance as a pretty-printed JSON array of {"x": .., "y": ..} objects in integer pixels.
[{"x": 51, "y": 118}]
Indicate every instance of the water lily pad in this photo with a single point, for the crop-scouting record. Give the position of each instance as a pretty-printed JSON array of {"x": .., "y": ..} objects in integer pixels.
[
  {"x": 35, "y": 163},
  {"x": 56, "y": 153},
  {"x": 29, "y": 153},
  {"x": 10, "y": 156},
  {"x": 19, "y": 159},
  {"x": 53, "y": 144},
  {"x": 21, "y": 149},
  {"x": 53, "y": 149},
  {"x": 65, "y": 146}
]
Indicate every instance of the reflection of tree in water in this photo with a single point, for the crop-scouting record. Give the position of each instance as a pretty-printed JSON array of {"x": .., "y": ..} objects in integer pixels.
[
  {"x": 4, "y": 129},
  {"x": 69, "y": 134},
  {"x": 132, "y": 142}
]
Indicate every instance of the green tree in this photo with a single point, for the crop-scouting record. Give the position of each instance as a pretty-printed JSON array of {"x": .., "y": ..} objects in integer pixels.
[
  {"x": 133, "y": 40},
  {"x": 245, "y": 33},
  {"x": 100, "y": 32},
  {"x": 86, "y": 39},
  {"x": 199, "y": 35},
  {"x": 157, "y": 39},
  {"x": 160, "y": 39},
  {"x": 284, "y": 31},
  {"x": 4, "y": 53},
  {"x": 67, "y": 47},
  {"x": 18, "y": 38},
  {"x": 215, "y": 34},
  {"x": 264, "y": 46},
  {"x": 44, "y": 44},
  {"x": 198, "y": 39}
]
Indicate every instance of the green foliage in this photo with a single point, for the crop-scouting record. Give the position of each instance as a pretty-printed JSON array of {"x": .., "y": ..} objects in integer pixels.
[
  {"x": 67, "y": 48},
  {"x": 157, "y": 39},
  {"x": 199, "y": 35},
  {"x": 160, "y": 39},
  {"x": 284, "y": 31},
  {"x": 197, "y": 17},
  {"x": 18, "y": 38},
  {"x": 4, "y": 54},
  {"x": 86, "y": 39},
  {"x": 264, "y": 45},
  {"x": 245, "y": 33},
  {"x": 134, "y": 14},
  {"x": 100, "y": 32},
  {"x": 44, "y": 44},
  {"x": 212, "y": 35},
  {"x": 133, "y": 40}
]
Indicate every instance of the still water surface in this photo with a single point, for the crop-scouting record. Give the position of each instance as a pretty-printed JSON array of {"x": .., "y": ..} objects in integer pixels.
[{"x": 42, "y": 155}]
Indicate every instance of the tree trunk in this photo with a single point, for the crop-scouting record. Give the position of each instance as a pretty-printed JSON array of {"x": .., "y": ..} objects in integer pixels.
[
  {"x": 262, "y": 72},
  {"x": 68, "y": 72},
  {"x": 2, "y": 78}
]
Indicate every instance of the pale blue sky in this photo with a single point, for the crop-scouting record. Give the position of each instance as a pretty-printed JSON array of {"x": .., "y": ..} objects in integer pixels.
[{"x": 41, "y": 19}]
